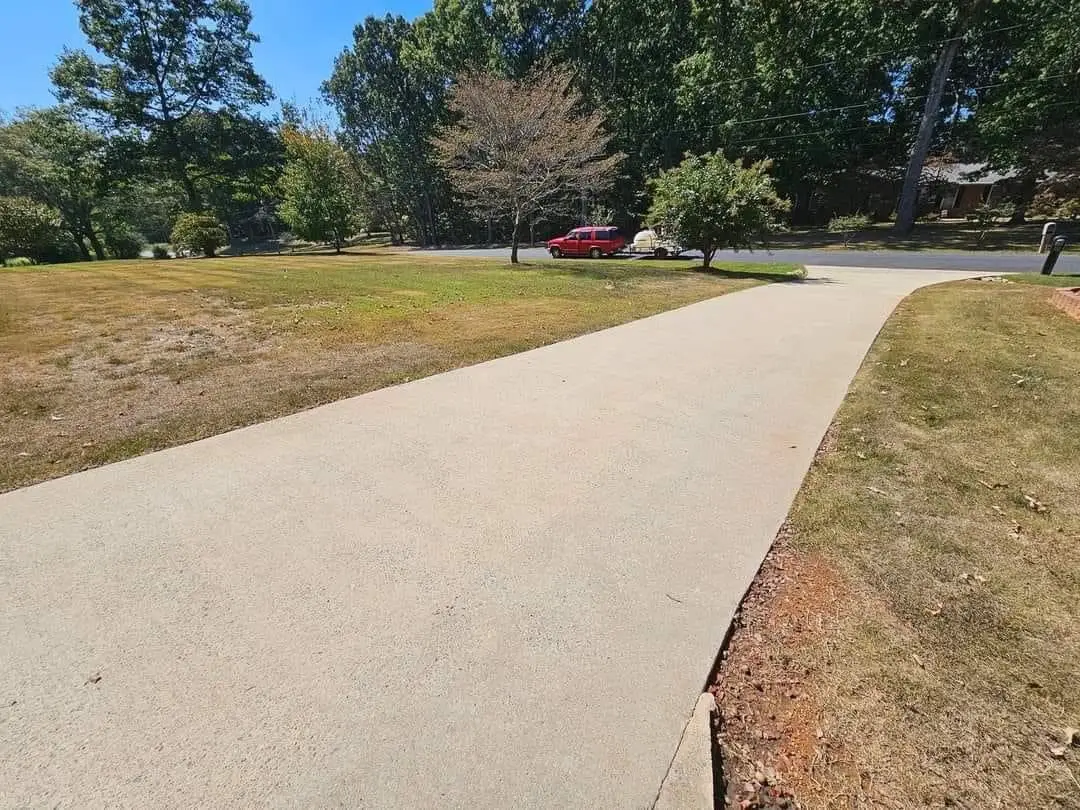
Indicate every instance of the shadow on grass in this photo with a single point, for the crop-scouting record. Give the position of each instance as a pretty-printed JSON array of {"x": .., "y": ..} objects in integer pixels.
[{"x": 721, "y": 272}]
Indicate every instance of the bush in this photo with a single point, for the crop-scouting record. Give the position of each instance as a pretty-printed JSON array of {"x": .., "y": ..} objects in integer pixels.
[
  {"x": 160, "y": 251},
  {"x": 708, "y": 203},
  {"x": 124, "y": 244},
  {"x": 27, "y": 228},
  {"x": 198, "y": 233},
  {"x": 985, "y": 216},
  {"x": 19, "y": 261},
  {"x": 849, "y": 225}
]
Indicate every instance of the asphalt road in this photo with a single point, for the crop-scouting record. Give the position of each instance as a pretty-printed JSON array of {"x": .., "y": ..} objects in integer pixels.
[
  {"x": 989, "y": 262},
  {"x": 503, "y": 586}
]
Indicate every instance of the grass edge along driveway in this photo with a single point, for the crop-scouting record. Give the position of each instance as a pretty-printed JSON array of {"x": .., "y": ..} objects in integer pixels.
[{"x": 912, "y": 639}]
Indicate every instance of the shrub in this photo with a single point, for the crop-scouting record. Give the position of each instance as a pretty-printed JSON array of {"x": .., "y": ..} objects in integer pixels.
[
  {"x": 160, "y": 251},
  {"x": 27, "y": 228},
  {"x": 198, "y": 233},
  {"x": 124, "y": 244},
  {"x": 848, "y": 225},
  {"x": 709, "y": 203},
  {"x": 985, "y": 216},
  {"x": 19, "y": 261}
]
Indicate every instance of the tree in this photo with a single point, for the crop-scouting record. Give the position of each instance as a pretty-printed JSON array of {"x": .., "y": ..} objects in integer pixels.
[
  {"x": 956, "y": 18},
  {"x": 985, "y": 216},
  {"x": 164, "y": 61},
  {"x": 319, "y": 187},
  {"x": 849, "y": 225},
  {"x": 709, "y": 202},
  {"x": 389, "y": 93},
  {"x": 521, "y": 145},
  {"x": 49, "y": 156},
  {"x": 198, "y": 233},
  {"x": 1028, "y": 119},
  {"x": 27, "y": 228}
]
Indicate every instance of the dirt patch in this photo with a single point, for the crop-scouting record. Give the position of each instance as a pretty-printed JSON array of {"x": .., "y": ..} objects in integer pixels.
[{"x": 772, "y": 735}]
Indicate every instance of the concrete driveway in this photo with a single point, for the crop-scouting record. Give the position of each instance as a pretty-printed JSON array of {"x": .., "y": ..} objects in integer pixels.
[
  {"x": 989, "y": 262},
  {"x": 499, "y": 587}
]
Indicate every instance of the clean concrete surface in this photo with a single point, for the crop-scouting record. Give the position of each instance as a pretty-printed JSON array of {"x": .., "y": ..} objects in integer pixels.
[
  {"x": 689, "y": 781},
  {"x": 498, "y": 587},
  {"x": 988, "y": 262}
]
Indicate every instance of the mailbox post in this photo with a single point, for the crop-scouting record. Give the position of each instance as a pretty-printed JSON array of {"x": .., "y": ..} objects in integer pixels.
[
  {"x": 1052, "y": 257},
  {"x": 1049, "y": 229}
]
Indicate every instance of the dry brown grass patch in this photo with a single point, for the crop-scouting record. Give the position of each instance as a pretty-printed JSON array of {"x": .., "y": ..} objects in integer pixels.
[
  {"x": 949, "y": 508},
  {"x": 105, "y": 360}
]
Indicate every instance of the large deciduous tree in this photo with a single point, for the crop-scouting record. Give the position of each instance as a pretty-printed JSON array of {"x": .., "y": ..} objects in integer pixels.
[
  {"x": 49, "y": 156},
  {"x": 389, "y": 96},
  {"x": 158, "y": 64},
  {"x": 522, "y": 145},
  {"x": 709, "y": 203},
  {"x": 320, "y": 188}
]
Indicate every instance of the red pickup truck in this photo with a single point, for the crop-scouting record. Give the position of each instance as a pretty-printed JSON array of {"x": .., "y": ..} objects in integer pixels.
[{"x": 593, "y": 242}]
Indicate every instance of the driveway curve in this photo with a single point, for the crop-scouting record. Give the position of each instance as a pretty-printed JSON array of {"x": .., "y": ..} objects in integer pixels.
[{"x": 502, "y": 586}]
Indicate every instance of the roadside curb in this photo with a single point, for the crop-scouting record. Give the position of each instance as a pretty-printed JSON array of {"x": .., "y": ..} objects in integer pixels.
[{"x": 688, "y": 784}]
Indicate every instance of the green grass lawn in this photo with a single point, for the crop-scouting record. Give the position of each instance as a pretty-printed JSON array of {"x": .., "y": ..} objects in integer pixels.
[
  {"x": 105, "y": 360},
  {"x": 922, "y": 611},
  {"x": 942, "y": 236}
]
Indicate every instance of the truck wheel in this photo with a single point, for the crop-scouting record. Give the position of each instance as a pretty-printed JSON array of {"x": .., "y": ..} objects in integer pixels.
[
  {"x": 555, "y": 253},
  {"x": 594, "y": 253},
  {"x": 660, "y": 253}
]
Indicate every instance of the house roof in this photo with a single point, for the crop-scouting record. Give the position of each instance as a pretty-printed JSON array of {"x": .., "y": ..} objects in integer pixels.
[{"x": 965, "y": 174}]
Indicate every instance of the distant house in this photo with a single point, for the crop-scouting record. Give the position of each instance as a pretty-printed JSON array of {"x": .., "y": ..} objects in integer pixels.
[{"x": 956, "y": 189}]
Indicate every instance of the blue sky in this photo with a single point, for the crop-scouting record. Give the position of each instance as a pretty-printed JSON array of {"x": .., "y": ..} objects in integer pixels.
[{"x": 300, "y": 39}]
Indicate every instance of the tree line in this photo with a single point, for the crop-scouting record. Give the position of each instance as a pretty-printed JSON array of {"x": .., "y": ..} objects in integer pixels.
[{"x": 165, "y": 116}]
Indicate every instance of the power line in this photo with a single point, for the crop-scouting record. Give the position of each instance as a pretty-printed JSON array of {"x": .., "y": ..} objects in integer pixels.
[
  {"x": 882, "y": 53},
  {"x": 699, "y": 130}
]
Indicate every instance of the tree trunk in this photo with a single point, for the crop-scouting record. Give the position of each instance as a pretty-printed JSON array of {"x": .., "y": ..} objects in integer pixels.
[
  {"x": 707, "y": 254},
  {"x": 95, "y": 243},
  {"x": 905, "y": 211},
  {"x": 81, "y": 245},
  {"x": 514, "y": 239}
]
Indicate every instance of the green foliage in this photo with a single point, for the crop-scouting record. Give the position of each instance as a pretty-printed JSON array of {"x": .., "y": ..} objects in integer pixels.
[
  {"x": 51, "y": 157},
  {"x": 709, "y": 203},
  {"x": 160, "y": 63},
  {"x": 198, "y": 233},
  {"x": 319, "y": 187},
  {"x": 986, "y": 215},
  {"x": 27, "y": 228},
  {"x": 124, "y": 244},
  {"x": 19, "y": 261},
  {"x": 849, "y": 225},
  {"x": 160, "y": 251}
]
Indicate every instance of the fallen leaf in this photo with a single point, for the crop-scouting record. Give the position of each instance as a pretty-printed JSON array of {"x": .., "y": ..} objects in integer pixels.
[
  {"x": 934, "y": 611},
  {"x": 904, "y": 363},
  {"x": 876, "y": 491},
  {"x": 998, "y": 509},
  {"x": 1057, "y": 751},
  {"x": 918, "y": 661},
  {"x": 978, "y": 578},
  {"x": 988, "y": 485},
  {"x": 1035, "y": 504},
  {"x": 861, "y": 456},
  {"x": 95, "y": 678},
  {"x": 54, "y": 418}
]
